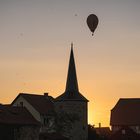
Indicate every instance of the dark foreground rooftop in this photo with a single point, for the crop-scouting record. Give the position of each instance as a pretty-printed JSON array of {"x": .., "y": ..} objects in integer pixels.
[{"x": 10, "y": 115}]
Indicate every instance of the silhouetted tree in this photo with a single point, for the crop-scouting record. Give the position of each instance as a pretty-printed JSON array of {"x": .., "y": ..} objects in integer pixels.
[{"x": 64, "y": 122}]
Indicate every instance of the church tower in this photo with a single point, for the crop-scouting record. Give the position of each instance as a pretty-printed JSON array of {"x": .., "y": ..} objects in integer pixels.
[{"x": 73, "y": 102}]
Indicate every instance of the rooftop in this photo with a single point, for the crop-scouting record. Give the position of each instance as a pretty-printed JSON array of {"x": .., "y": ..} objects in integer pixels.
[
  {"x": 72, "y": 89},
  {"x": 126, "y": 112},
  {"x": 16, "y": 116},
  {"x": 42, "y": 103}
]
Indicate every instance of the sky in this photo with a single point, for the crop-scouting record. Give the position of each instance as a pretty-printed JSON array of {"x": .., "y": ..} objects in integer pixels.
[{"x": 35, "y": 39}]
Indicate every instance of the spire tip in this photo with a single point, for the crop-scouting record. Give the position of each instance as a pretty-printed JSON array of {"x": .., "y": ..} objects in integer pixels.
[{"x": 71, "y": 45}]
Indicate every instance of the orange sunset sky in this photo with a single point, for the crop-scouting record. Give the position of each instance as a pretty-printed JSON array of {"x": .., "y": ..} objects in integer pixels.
[{"x": 35, "y": 38}]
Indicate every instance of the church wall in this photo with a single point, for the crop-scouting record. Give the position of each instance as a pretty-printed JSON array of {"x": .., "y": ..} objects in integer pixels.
[{"x": 80, "y": 127}]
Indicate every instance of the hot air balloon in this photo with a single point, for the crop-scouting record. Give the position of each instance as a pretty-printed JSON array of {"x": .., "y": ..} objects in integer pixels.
[{"x": 92, "y": 22}]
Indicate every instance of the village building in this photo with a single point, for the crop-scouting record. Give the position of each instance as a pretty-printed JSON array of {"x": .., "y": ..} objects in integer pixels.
[
  {"x": 126, "y": 113},
  {"x": 67, "y": 111},
  {"x": 16, "y": 123},
  {"x": 40, "y": 106}
]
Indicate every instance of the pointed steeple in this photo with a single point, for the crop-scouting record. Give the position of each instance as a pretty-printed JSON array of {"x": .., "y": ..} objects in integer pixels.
[
  {"x": 72, "y": 83},
  {"x": 71, "y": 92}
]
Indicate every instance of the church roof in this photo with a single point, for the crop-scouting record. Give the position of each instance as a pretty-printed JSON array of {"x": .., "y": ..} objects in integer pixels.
[
  {"x": 71, "y": 96},
  {"x": 126, "y": 112},
  {"x": 72, "y": 83},
  {"x": 72, "y": 90},
  {"x": 42, "y": 103}
]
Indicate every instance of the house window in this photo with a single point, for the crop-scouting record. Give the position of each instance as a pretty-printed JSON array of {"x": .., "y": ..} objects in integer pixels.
[
  {"x": 21, "y": 104},
  {"x": 46, "y": 121},
  {"x": 123, "y": 131},
  {"x": 137, "y": 128}
]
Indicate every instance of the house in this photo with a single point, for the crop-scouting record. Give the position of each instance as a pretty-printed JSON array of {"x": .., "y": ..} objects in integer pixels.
[
  {"x": 126, "y": 113},
  {"x": 73, "y": 103},
  {"x": 16, "y": 123},
  {"x": 40, "y": 106},
  {"x": 125, "y": 133}
]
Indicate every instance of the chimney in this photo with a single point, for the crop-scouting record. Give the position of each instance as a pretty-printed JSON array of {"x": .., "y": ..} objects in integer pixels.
[
  {"x": 99, "y": 125},
  {"x": 46, "y": 94}
]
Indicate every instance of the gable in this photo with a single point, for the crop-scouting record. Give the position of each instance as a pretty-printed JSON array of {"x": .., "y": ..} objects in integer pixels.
[{"x": 126, "y": 112}]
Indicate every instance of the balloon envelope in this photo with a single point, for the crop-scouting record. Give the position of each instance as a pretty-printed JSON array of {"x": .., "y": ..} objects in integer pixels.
[{"x": 92, "y": 22}]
